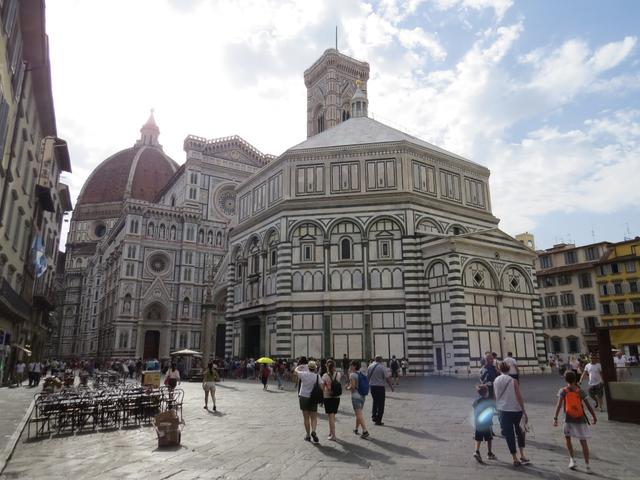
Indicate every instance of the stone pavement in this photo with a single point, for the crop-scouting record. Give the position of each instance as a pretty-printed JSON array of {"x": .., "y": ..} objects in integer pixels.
[
  {"x": 259, "y": 435},
  {"x": 14, "y": 402}
]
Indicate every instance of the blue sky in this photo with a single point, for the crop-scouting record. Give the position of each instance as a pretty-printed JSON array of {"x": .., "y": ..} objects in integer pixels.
[{"x": 544, "y": 93}]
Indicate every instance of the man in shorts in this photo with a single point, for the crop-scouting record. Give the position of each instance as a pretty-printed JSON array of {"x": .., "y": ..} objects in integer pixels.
[
  {"x": 620, "y": 361},
  {"x": 596, "y": 386}
]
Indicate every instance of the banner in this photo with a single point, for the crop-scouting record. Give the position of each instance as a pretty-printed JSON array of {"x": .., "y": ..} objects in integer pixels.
[{"x": 38, "y": 256}]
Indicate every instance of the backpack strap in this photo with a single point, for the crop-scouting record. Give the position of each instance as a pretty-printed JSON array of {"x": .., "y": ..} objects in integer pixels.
[{"x": 504, "y": 389}]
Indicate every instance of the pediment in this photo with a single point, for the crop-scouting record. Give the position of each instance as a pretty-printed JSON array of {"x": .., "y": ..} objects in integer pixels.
[{"x": 156, "y": 292}]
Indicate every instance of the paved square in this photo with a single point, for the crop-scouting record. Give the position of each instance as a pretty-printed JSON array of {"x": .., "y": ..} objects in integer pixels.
[{"x": 259, "y": 435}]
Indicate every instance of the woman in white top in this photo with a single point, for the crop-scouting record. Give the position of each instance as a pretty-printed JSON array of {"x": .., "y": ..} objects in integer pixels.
[
  {"x": 308, "y": 376},
  {"x": 510, "y": 406},
  {"x": 331, "y": 400},
  {"x": 173, "y": 377}
]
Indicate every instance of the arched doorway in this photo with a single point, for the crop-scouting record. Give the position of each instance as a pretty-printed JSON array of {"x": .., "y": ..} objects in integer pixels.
[
  {"x": 151, "y": 344},
  {"x": 220, "y": 340}
]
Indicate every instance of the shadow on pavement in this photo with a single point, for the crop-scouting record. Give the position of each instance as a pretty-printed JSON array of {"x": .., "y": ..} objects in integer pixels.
[
  {"x": 362, "y": 454},
  {"x": 417, "y": 433},
  {"x": 396, "y": 449}
]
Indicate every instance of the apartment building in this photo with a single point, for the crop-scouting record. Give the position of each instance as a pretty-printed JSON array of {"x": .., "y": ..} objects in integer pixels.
[
  {"x": 32, "y": 199},
  {"x": 569, "y": 296}
]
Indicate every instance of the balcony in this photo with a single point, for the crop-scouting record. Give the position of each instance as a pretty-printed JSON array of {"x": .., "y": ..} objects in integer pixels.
[
  {"x": 12, "y": 302},
  {"x": 44, "y": 295}
]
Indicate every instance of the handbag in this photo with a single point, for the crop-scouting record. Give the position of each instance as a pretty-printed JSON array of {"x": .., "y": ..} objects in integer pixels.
[{"x": 316, "y": 393}]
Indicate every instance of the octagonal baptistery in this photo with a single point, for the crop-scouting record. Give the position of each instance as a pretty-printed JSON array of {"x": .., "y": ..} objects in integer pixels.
[{"x": 364, "y": 241}]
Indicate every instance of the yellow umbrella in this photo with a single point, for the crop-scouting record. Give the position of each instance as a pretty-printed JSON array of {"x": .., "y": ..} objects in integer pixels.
[{"x": 264, "y": 360}]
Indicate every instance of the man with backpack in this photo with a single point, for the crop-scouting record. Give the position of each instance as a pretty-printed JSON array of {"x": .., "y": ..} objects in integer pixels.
[
  {"x": 378, "y": 375},
  {"x": 576, "y": 425},
  {"x": 359, "y": 386},
  {"x": 394, "y": 365}
]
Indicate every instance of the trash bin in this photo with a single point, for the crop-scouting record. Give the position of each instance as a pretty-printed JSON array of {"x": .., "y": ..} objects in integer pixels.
[{"x": 168, "y": 428}]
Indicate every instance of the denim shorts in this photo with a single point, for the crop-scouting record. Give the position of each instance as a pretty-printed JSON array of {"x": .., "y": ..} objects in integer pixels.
[{"x": 357, "y": 402}]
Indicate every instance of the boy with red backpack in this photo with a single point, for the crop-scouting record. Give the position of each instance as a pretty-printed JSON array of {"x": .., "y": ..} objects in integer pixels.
[{"x": 576, "y": 424}]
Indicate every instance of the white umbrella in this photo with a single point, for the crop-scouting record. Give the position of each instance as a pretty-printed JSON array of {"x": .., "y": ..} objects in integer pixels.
[{"x": 186, "y": 351}]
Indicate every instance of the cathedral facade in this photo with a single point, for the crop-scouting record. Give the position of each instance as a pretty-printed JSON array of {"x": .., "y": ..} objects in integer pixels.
[{"x": 362, "y": 240}]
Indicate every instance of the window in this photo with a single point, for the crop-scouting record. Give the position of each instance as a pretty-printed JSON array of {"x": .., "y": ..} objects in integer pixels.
[
  {"x": 193, "y": 193},
  {"x": 274, "y": 188},
  {"x": 345, "y": 249},
  {"x": 606, "y": 309},
  {"x": 195, "y": 340},
  {"x": 572, "y": 343},
  {"x": 630, "y": 267},
  {"x": 617, "y": 288},
  {"x": 633, "y": 286},
  {"x": 584, "y": 280},
  {"x": 550, "y": 301},
  {"x": 384, "y": 247},
  {"x": 307, "y": 252},
  {"x": 590, "y": 324},
  {"x": 571, "y": 257},
  {"x": 183, "y": 340},
  {"x": 131, "y": 251},
  {"x": 556, "y": 345},
  {"x": 274, "y": 257},
  {"x": 345, "y": 177},
  {"x": 621, "y": 308},
  {"x": 553, "y": 321},
  {"x": 449, "y": 185},
  {"x": 588, "y": 302},
  {"x": 310, "y": 179},
  {"x": 549, "y": 281},
  {"x": 636, "y": 307},
  {"x": 193, "y": 178},
  {"x": 123, "y": 340},
  {"x": 381, "y": 174},
  {"x": 567, "y": 299},
  {"x": 604, "y": 289},
  {"x": 188, "y": 258},
  {"x": 320, "y": 123},
  {"x": 564, "y": 279},
  {"x": 130, "y": 269},
  {"x": 570, "y": 320},
  {"x": 614, "y": 268},
  {"x": 591, "y": 253},
  {"x": 474, "y": 192},
  {"x": 186, "y": 307},
  {"x": 424, "y": 178},
  {"x": 187, "y": 275},
  {"x": 190, "y": 234},
  {"x": 545, "y": 261},
  {"x": 258, "y": 197}
]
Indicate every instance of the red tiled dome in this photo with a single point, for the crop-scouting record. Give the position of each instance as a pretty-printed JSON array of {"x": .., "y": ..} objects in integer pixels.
[{"x": 139, "y": 172}]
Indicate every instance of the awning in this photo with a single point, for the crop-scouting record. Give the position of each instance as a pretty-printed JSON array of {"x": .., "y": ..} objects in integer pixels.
[
  {"x": 625, "y": 337},
  {"x": 28, "y": 352},
  {"x": 186, "y": 352}
]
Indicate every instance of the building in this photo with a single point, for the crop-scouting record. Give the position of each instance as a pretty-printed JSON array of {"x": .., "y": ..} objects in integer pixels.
[
  {"x": 569, "y": 296},
  {"x": 360, "y": 240},
  {"x": 366, "y": 241},
  {"x": 32, "y": 199},
  {"x": 618, "y": 279}
]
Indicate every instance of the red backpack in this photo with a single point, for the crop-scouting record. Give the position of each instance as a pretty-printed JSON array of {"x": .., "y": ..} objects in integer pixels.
[{"x": 573, "y": 403}]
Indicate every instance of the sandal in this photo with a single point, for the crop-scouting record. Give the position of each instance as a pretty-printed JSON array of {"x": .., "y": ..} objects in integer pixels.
[
  {"x": 525, "y": 461},
  {"x": 516, "y": 463}
]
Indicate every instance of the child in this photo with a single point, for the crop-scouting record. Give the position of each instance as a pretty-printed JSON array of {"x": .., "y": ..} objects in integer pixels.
[
  {"x": 483, "y": 418},
  {"x": 575, "y": 421}
]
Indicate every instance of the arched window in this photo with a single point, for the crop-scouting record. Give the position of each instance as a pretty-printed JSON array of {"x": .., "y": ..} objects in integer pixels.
[
  {"x": 186, "y": 306},
  {"x": 274, "y": 258},
  {"x": 150, "y": 229},
  {"x": 133, "y": 226},
  {"x": 345, "y": 249},
  {"x": 320, "y": 123},
  {"x": 173, "y": 200}
]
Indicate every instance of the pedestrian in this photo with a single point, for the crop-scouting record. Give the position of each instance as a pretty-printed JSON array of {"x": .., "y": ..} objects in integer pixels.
[
  {"x": 483, "y": 407},
  {"x": 20, "y": 366},
  {"x": 308, "y": 396},
  {"x": 265, "y": 371},
  {"x": 488, "y": 373},
  {"x": 30, "y": 373},
  {"x": 596, "y": 387},
  {"x": 404, "y": 365},
  {"x": 332, "y": 389},
  {"x": 514, "y": 371},
  {"x": 511, "y": 411},
  {"x": 620, "y": 361},
  {"x": 574, "y": 365},
  {"x": 279, "y": 371},
  {"x": 37, "y": 373},
  {"x": 173, "y": 377},
  {"x": 572, "y": 398},
  {"x": 359, "y": 386},
  {"x": 209, "y": 380},
  {"x": 378, "y": 376},
  {"x": 394, "y": 364}
]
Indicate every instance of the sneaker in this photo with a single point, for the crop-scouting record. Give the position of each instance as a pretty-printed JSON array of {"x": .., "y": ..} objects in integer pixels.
[
  {"x": 380, "y": 424},
  {"x": 331, "y": 438},
  {"x": 307, "y": 438},
  {"x": 315, "y": 437},
  {"x": 491, "y": 456},
  {"x": 364, "y": 435},
  {"x": 356, "y": 432},
  {"x": 587, "y": 469},
  {"x": 478, "y": 457},
  {"x": 205, "y": 407},
  {"x": 214, "y": 408},
  {"x": 572, "y": 464}
]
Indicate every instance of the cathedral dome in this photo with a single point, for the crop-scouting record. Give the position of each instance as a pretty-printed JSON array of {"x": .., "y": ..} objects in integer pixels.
[{"x": 138, "y": 172}]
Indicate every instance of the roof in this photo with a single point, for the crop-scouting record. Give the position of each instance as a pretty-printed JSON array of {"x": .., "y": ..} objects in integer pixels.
[
  {"x": 362, "y": 131},
  {"x": 139, "y": 172}
]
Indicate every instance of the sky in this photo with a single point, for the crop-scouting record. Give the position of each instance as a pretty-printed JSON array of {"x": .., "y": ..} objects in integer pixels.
[{"x": 546, "y": 94}]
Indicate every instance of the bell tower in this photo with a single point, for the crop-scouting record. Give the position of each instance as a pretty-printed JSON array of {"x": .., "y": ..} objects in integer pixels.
[{"x": 331, "y": 83}]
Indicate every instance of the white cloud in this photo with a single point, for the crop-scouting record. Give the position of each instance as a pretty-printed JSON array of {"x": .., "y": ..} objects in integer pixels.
[{"x": 500, "y": 7}]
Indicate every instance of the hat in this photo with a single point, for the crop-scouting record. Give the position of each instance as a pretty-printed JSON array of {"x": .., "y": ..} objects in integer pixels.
[{"x": 312, "y": 365}]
